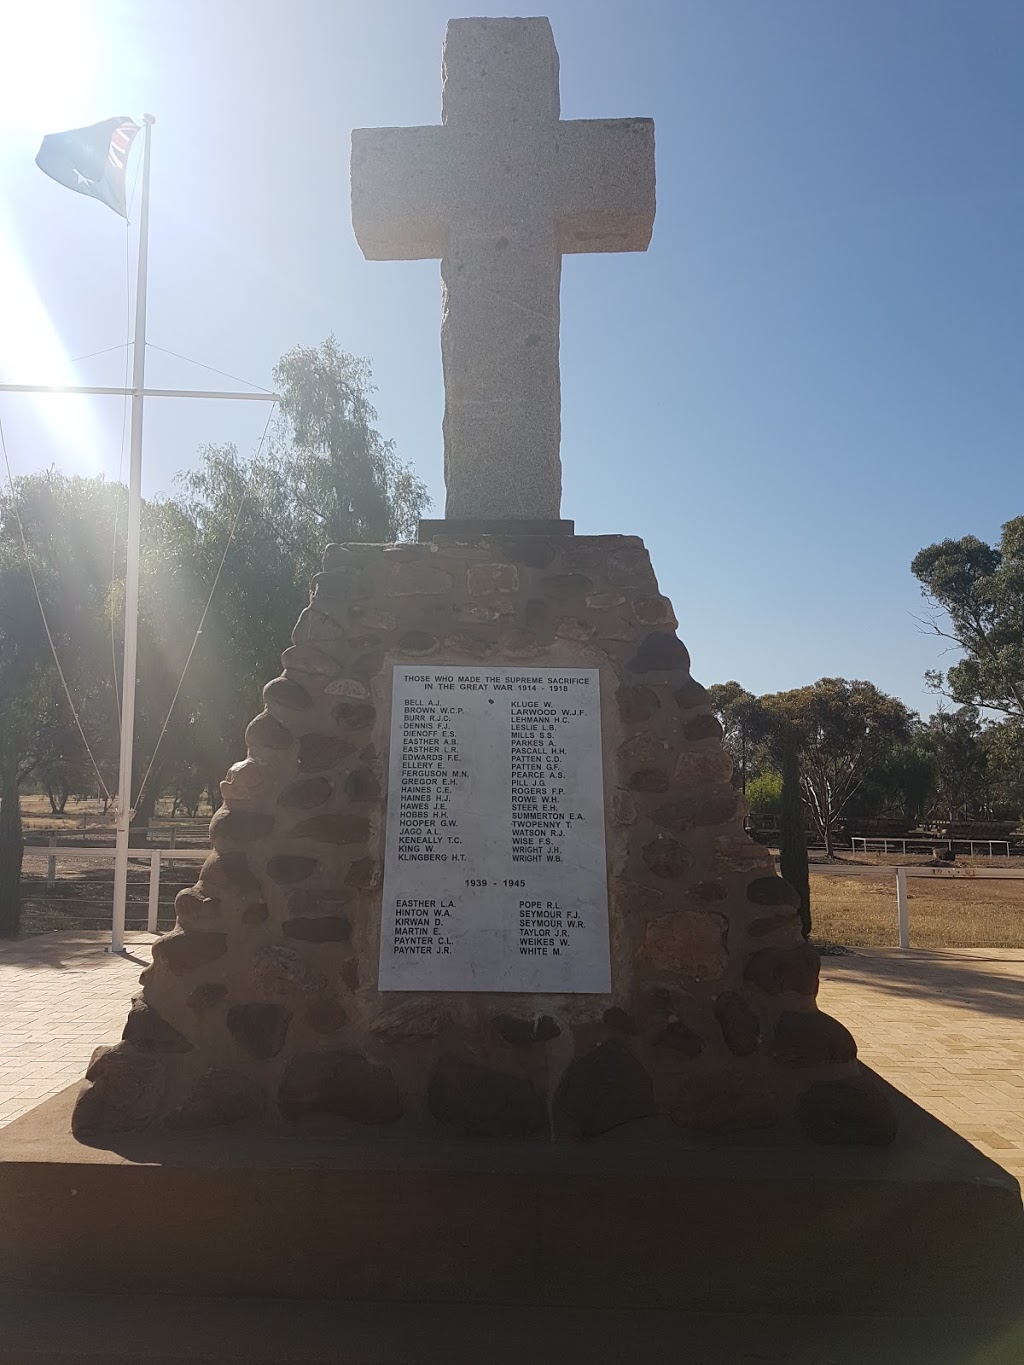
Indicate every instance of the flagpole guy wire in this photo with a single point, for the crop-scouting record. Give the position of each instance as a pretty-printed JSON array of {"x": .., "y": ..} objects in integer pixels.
[{"x": 138, "y": 393}]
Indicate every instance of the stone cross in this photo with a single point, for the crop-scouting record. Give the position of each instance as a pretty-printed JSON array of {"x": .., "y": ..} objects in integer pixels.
[{"x": 499, "y": 192}]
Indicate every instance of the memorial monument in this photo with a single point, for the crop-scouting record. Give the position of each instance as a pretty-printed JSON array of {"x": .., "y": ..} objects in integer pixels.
[
  {"x": 484, "y": 992},
  {"x": 483, "y": 871}
]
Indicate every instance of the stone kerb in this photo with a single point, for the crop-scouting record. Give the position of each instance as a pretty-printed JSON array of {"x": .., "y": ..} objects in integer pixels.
[{"x": 262, "y": 1006}]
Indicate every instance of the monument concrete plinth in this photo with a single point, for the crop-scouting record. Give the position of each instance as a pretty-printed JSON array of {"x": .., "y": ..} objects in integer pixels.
[{"x": 928, "y": 1226}]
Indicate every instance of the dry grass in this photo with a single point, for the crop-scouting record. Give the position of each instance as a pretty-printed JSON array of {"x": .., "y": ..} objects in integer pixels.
[{"x": 943, "y": 914}]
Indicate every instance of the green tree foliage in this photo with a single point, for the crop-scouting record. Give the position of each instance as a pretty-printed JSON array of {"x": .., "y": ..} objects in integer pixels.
[
  {"x": 959, "y": 764},
  {"x": 1004, "y": 753},
  {"x": 764, "y": 793},
  {"x": 792, "y": 834},
  {"x": 345, "y": 478},
  {"x": 736, "y": 709},
  {"x": 977, "y": 595},
  {"x": 843, "y": 729}
]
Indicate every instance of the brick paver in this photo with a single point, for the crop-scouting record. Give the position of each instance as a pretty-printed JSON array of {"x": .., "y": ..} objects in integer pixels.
[
  {"x": 61, "y": 995},
  {"x": 945, "y": 1026}
]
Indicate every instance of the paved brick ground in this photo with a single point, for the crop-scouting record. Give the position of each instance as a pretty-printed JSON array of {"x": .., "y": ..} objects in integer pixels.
[
  {"x": 61, "y": 995},
  {"x": 946, "y": 1026}
]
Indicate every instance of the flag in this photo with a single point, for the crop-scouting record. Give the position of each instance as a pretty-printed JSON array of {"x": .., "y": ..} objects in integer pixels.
[{"x": 91, "y": 160}]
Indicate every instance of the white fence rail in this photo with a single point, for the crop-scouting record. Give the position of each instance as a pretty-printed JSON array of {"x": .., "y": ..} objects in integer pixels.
[
  {"x": 157, "y": 858},
  {"x": 902, "y": 873},
  {"x": 862, "y": 844}
]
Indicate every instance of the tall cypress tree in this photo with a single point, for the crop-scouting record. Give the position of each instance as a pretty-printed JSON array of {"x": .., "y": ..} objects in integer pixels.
[{"x": 792, "y": 834}]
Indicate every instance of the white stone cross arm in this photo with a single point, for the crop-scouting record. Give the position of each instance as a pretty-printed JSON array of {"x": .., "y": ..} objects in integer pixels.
[{"x": 499, "y": 191}]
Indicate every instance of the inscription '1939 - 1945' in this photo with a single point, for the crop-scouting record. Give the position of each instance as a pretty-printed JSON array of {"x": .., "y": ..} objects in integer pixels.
[{"x": 494, "y": 876}]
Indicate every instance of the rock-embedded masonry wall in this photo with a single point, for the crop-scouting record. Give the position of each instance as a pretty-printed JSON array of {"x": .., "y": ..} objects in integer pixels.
[{"x": 262, "y": 1005}]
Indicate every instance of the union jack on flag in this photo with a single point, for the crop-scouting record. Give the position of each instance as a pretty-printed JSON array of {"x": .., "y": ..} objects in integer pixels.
[{"x": 91, "y": 160}]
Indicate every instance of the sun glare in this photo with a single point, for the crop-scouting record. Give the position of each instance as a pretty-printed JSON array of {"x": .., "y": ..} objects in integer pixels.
[{"x": 49, "y": 64}]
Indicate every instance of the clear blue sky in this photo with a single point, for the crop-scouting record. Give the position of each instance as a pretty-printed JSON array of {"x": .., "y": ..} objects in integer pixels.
[{"x": 815, "y": 370}]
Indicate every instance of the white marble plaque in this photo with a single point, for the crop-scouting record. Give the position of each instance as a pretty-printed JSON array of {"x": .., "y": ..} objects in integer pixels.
[{"x": 494, "y": 865}]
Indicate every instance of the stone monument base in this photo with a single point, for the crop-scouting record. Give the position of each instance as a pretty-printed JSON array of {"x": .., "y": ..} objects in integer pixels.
[{"x": 926, "y": 1226}]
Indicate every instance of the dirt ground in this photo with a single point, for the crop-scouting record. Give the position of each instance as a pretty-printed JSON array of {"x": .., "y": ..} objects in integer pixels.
[{"x": 956, "y": 913}]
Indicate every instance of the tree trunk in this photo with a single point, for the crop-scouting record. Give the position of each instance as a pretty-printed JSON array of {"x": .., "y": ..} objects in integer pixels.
[
  {"x": 53, "y": 800},
  {"x": 11, "y": 851},
  {"x": 138, "y": 836}
]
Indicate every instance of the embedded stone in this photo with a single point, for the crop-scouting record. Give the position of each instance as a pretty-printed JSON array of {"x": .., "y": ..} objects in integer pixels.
[
  {"x": 126, "y": 1088},
  {"x": 485, "y": 578},
  {"x": 605, "y": 601},
  {"x": 326, "y": 1016},
  {"x": 628, "y": 564},
  {"x": 287, "y": 693},
  {"x": 207, "y": 996},
  {"x": 255, "y": 914},
  {"x": 666, "y": 857},
  {"x": 194, "y": 908},
  {"x": 182, "y": 952},
  {"x": 278, "y": 970},
  {"x": 741, "y": 1028},
  {"x": 286, "y": 868},
  {"x": 367, "y": 666},
  {"x": 649, "y": 780},
  {"x": 469, "y": 642},
  {"x": 522, "y": 644},
  {"x": 698, "y": 811},
  {"x": 623, "y": 809},
  {"x": 347, "y": 687},
  {"x": 259, "y": 1028},
  {"x": 522, "y": 1032},
  {"x": 313, "y": 626},
  {"x": 344, "y": 1084},
  {"x": 777, "y": 971},
  {"x": 333, "y": 829},
  {"x": 306, "y": 794},
  {"x": 217, "y": 1098},
  {"x": 637, "y": 704},
  {"x": 308, "y": 659},
  {"x": 644, "y": 750},
  {"x": 699, "y": 766},
  {"x": 266, "y": 732},
  {"x": 372, "y": 619},
  {"x": 482, "y": 614},
  {"x": 604, "y": 1089},
  {"x": 855, "y": 1112},
  {"x": 564, "y": 585},
  {"x": 691, "y": 694},
  {"x": 339, "y": 583},
  {"x": 536, "y": 613},
  {"x": 773, "y": 891},
  {"x": 811, "y": 1038},
  {"x": 319, "y": 929},
  {"x": 149, "y": 1031},
  {"x": 363, "y": 874},
  {"x": 655, "y": 611},
  {"x": 229, "y": 871},
  {"x": 782, "y": 919},
  {"x": 355, "y": 715},
  {"x": 247, "y": 781},
  {"x": 707, "y": 893},
  {"x": 615, "y": 629},
  {"x": 411, "y": 1021},
  {"x": 417, "y": 642},
  {"x": 679, "y": 1038},
  {"x": 617, "y": 1018},
  {"x": 408, "y": 579},
  {"x": 319, "y": 752},
  {"x": 687, "y": 943},
  {"x": 721, "y": 1106},
  {"x": 702, "y": 727},
  {"x": 361, "y": 785},
  {"x": 230, "y": 827},
  {"x": 659, "y": 652},
  {"x": 573, "y": 628},
  {"x": 482, "y": 1102}
]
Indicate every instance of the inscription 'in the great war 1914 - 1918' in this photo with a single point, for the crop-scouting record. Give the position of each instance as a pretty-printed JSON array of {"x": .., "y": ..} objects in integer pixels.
[{"x": 494, "y": 869}]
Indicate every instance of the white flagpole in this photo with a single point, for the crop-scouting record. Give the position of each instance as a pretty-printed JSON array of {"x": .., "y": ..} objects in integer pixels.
[{"x": 131, "y": 593}]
